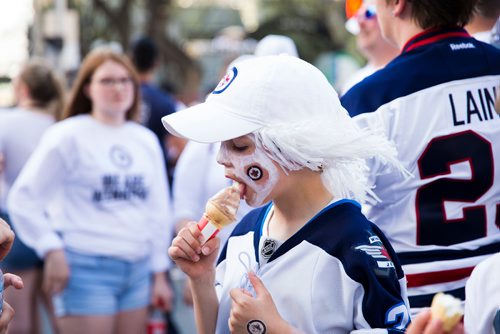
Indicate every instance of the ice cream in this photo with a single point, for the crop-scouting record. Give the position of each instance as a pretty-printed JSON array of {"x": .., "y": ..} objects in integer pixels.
[
  {"x": 220, "y": 211},
  {"x": 448, "y": 309}
]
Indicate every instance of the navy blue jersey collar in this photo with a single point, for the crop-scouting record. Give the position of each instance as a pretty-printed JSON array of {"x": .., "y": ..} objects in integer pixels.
[
  {"x": 299, "y": 235},
  {"x": 433, "y": 35}
]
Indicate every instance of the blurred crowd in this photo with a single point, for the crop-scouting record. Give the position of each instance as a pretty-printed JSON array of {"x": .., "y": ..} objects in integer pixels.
[{"x": 95, "y": 188}]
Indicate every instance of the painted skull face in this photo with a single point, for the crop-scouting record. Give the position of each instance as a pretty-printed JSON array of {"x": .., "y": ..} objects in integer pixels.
[{"x": 249, "y": 164}]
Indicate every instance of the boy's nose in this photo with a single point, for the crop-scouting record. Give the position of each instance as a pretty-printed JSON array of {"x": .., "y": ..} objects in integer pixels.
[{"x": 222, "y": 158}]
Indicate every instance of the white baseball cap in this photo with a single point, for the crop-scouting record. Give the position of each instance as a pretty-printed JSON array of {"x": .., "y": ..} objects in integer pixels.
[{"x": 257, "y": 93}]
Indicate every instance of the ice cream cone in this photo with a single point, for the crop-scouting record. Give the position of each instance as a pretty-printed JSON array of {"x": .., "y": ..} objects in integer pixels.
[
  {"x": 220, "y": 211},
  {"x": 448, "y": 309}
]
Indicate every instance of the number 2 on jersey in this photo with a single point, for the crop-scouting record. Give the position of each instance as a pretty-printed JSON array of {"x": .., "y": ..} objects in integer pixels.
[{"x": 433, "y": 228}]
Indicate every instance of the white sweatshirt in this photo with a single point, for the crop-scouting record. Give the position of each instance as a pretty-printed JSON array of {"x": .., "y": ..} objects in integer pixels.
[
  {"x": 20, "y": 132},
  {"x": 114, "y": 187}
]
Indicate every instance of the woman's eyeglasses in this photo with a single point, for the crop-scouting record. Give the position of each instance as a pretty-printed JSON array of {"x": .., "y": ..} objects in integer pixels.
[{"x": 108, "y": 82}]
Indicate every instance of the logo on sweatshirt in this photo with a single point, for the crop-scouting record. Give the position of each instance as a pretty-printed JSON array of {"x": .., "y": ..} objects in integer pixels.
[{"x": 120, "y": 157}]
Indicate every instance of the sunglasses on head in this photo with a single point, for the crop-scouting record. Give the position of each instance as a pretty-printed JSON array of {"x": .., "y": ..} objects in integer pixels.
[
  {"x": 368, "y": 13},
  {"x": 352, "y": 8}
]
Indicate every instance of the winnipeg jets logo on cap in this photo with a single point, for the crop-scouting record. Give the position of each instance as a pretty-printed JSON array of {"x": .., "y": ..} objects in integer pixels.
[{"x": 226, "y": 81}]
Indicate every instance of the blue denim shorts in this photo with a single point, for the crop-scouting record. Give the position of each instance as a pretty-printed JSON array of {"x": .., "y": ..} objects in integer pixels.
[{"x": 100, "y": 285}]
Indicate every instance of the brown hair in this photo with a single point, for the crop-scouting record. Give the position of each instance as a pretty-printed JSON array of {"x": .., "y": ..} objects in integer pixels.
[
  {"x": 45, "y": 87},
  {"x": 441, "y": 13},
  {"x": 80, "y": 103},
  {"x": 488, "y": 8}
]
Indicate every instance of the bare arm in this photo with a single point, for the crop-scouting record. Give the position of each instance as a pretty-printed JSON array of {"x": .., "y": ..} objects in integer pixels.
[
  {"x": 205, "y": 305},
  {"x": 197, "y": 261}
]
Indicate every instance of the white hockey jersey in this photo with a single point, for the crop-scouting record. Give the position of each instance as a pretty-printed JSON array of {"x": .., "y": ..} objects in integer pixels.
[
  {"x": 436, "y": 102},
  {"x": 335, "y": 275}
]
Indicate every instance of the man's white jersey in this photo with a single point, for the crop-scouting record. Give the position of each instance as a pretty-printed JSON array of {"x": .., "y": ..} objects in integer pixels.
[{"x": 436, "y": 102}]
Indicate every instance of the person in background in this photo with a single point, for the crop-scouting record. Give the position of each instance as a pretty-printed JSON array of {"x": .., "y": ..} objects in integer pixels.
[
  {"x": 486, "y": 15},
  {"x": 40, "y": 98},
  {"x": 436, "y": 102},
  {"x": 106, "y": 263},
  {"x": 276, "y": 45},
  {"x": 155, "y": 103},
  {"x": 6, "y": 242},
  {"x": 362, "y": 22}
]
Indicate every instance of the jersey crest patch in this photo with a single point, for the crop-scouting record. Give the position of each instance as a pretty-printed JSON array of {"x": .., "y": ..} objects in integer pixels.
[
  {"x": 379, "y": 253},
  {"x": 268, "y": 248},
  {"x": 256, "y": 327}
]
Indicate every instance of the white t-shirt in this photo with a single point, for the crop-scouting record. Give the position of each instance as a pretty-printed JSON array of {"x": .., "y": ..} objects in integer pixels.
[
  {"x": 115, "y": 192},
  {"x": 482, "y": 292}
]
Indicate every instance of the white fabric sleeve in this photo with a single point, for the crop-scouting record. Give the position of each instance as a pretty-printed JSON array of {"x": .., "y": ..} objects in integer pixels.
[
  {"x": 373, "y": 122},
  {"x": 482, "y": 296},
  {"x": 189, "y": 182},
  {"x": 41, "y": 178},
  {"x": 160, "y": 210}
]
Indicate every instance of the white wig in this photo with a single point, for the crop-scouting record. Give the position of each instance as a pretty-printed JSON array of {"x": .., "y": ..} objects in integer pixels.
[{"x": 335, "y": 146}]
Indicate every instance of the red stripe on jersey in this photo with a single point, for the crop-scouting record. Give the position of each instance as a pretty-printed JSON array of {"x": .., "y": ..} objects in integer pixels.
[
  {"x": 416, "y": 280},
  {"x": 435, "y": 39}
]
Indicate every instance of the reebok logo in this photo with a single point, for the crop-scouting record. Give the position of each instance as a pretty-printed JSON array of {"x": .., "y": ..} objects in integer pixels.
[{"x": 461, "y": 46}]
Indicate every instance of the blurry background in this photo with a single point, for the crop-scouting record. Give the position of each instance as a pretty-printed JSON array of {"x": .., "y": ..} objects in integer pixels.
[{"x": 197, "y": 38}]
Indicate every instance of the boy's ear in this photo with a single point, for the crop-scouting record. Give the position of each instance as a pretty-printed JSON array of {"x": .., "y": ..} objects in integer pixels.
[{"x": 399, "y": 7}]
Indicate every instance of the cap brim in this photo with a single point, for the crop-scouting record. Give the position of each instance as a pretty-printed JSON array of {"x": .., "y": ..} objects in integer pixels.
[{"x": 206, "y": 123}]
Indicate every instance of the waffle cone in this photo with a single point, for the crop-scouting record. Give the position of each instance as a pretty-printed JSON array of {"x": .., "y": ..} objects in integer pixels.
[
  {"x": 440, "y": 311},
  {"x": 217, "y": 215}
]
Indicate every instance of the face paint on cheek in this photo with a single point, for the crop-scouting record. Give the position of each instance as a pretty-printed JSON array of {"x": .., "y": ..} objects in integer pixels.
[
  {"x": 255, "y": 173},
  {"x": 260, "y": 175},
  {"x": 256, "y": 170}
]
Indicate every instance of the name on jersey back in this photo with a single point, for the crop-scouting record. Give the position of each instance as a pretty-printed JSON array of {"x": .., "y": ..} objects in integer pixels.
[{"x": 477, "y": 105}]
